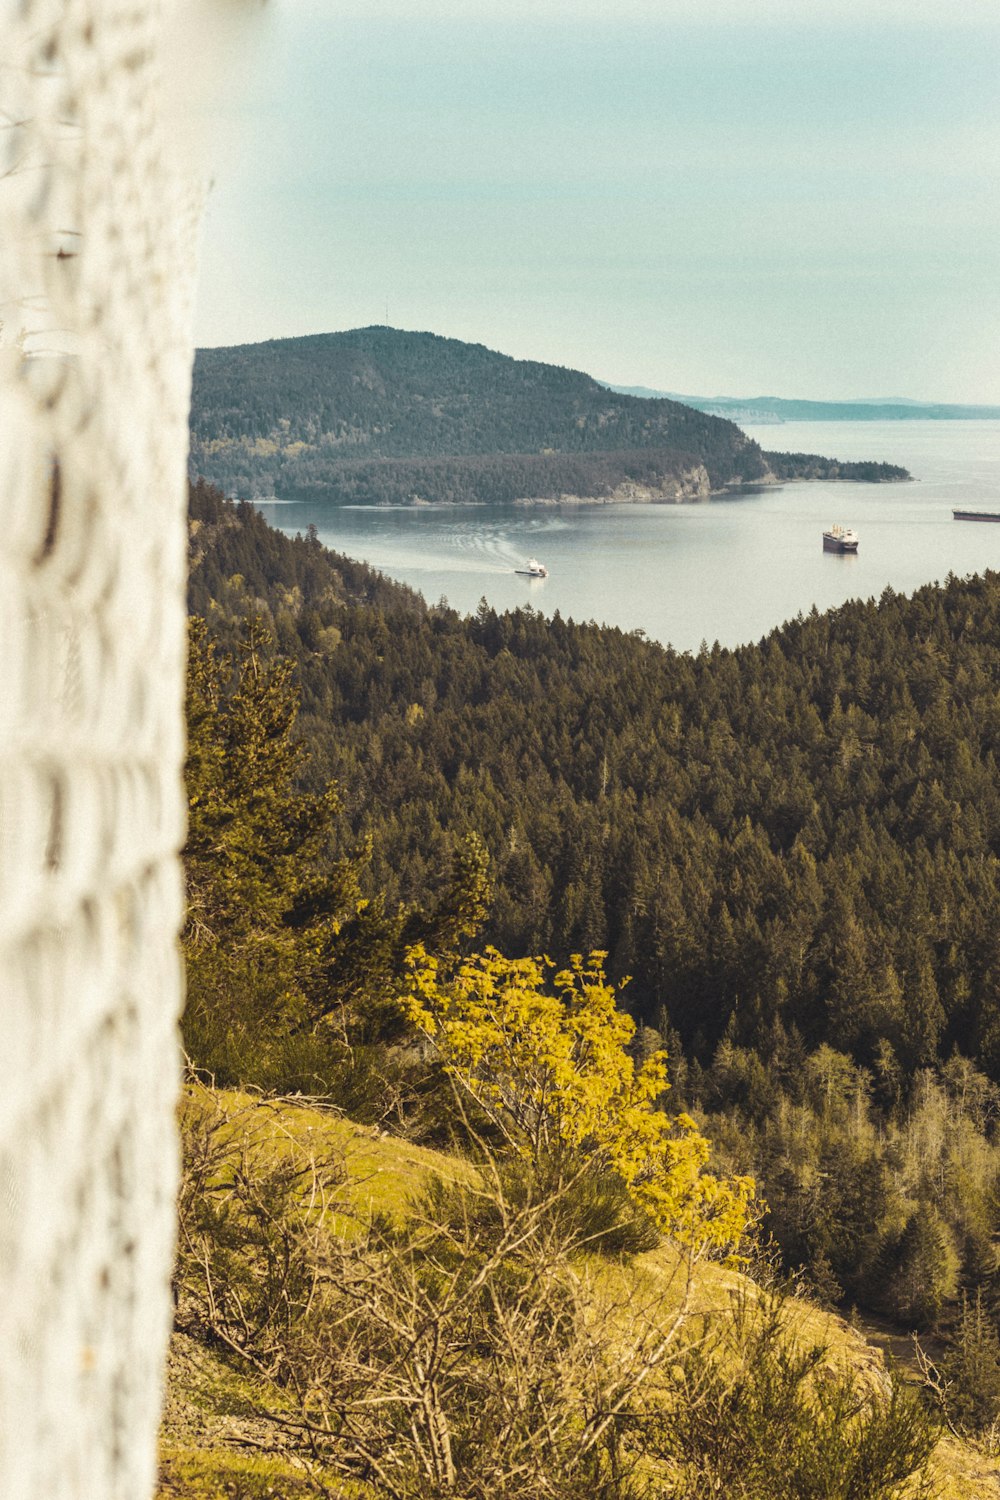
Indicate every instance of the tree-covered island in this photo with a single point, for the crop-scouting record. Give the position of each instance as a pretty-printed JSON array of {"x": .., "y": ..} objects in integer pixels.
[{"x": 380, "y": 416}]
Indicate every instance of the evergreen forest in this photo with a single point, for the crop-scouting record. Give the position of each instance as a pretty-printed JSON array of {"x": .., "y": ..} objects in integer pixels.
[{"x": 791, "y": 852}]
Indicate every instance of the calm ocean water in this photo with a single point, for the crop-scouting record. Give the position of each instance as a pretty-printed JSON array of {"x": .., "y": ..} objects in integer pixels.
[{"x": 725, "y": 569}]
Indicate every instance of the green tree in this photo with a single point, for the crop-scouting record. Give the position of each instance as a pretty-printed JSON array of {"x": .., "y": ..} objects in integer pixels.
[
  {"x": 926, "y": 1268},
  {"x": 289, "y": 964},
  {"x": 970, "y": 1370}
]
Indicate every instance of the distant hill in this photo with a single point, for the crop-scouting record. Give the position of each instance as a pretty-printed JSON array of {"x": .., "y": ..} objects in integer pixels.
[
  {"x": 377, "y": 415},
  {"x": 761, "y": 409}
]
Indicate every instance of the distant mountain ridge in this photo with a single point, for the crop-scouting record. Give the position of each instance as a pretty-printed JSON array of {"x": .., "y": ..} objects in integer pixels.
[
  {"x": 761, "y": 409},
  {"x": 381, "y": 416}
]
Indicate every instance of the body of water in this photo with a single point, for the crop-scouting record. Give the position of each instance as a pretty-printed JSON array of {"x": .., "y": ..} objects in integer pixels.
[{"x": 726, "y": 569}]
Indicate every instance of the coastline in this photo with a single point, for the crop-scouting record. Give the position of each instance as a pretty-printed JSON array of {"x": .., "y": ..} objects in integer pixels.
[
  {"x": 579, "y": 502},
  {"x": 693, "y": 487}
]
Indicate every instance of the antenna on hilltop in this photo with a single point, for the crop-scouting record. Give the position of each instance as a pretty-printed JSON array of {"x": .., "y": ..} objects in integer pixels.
[{"x": 387, "y": 313}]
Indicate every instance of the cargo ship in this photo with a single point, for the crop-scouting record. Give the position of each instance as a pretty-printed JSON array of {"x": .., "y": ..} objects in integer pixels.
[
  {"x": 840, "y": 539},
  {"x": 976, "y": 515}
]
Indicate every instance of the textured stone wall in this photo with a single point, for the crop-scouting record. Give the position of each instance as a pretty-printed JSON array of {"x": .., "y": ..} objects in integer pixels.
[{"x": 97, "y": 247}]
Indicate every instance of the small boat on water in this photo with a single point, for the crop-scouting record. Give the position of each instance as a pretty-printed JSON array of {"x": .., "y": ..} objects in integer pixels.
[
  {"x": 976, "y": 515},
  {"x": 533, "y": 569},
  {"x": 840, "y": 539}
]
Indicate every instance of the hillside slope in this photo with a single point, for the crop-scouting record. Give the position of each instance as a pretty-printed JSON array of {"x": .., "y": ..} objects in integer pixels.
[
  {"x": 744, "y": 831},
  {"x": 217, "y": 1444},
  {"x": 763, "y": 770},
  {"x": 380, "y": 415}
]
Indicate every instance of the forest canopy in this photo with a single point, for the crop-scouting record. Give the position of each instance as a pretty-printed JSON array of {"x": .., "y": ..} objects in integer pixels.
[
  {"x": 802, "y": 833},
  {"x": 793, "y": 849}
]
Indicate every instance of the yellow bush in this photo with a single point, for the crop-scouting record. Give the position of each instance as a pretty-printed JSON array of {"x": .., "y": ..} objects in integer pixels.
[{"x": 548, "y": 1062}]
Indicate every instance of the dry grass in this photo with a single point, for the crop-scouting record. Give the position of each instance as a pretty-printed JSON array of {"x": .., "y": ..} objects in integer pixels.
[{"x": 210, "y": 1432}]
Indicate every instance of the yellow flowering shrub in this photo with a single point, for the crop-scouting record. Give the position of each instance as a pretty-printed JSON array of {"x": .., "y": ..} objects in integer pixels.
[{"x": 547, "y": 1059}]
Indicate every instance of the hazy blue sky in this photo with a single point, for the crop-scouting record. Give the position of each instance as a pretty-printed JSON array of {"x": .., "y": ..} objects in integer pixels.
[{"x": 720, "y": 197}]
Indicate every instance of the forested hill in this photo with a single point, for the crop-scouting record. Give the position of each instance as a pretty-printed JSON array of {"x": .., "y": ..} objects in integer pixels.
[
  {"x": 238, "y": 562},
  {"x": 800, "y": 837},
  {"x": 377, "y": 415}
]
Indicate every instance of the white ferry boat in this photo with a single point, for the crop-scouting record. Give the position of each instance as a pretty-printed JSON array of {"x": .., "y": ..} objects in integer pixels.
[
  {"x": 533, "y": 569},
  {"x": 840, "y": 539}
]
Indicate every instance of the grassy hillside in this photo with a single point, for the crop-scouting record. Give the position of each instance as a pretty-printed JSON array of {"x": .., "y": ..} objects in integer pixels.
[{"x": 216, "y": 1444}]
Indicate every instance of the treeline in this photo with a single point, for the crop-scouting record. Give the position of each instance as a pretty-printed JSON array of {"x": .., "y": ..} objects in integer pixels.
[
  {"x": 812, "y": 466},
  {"x": 490, "y": 479},
  {"x": 882, "y": 1187},
  {"x": 296, "y": 471}
]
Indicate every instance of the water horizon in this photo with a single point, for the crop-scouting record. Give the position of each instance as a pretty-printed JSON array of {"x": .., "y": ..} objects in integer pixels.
[{"x": 728, "y": 569}]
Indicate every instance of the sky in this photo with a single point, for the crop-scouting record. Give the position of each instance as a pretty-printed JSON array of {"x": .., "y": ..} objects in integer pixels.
[{"x": 736, "y": 197}]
